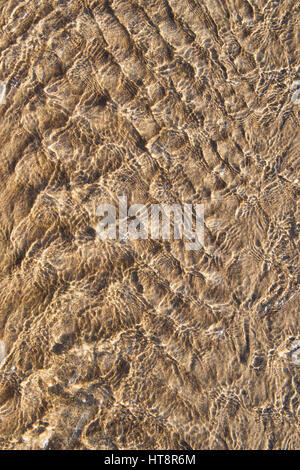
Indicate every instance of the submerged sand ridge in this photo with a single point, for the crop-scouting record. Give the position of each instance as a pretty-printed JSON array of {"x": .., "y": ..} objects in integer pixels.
[{"x": 142, "y": 344}]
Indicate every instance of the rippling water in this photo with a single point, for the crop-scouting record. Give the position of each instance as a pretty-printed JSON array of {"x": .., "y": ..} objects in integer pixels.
[{"x": 124, "y": 344}]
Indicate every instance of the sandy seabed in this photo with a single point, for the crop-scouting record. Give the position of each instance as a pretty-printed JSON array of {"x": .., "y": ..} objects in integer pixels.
[{"x": 141, "y": 344}]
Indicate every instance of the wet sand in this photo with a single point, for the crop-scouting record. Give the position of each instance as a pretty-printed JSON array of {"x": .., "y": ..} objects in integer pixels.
[{"x": 141, "y": 344}]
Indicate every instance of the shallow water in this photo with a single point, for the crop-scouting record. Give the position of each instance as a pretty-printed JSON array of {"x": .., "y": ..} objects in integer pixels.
[{"x": 124, "y": 344}]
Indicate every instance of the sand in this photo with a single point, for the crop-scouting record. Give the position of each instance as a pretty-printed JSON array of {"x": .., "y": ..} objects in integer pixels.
[{"x": 142, "y": 344}]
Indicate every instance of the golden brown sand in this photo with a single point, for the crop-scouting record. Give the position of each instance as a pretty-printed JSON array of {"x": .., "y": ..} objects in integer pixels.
[{"x": 142, "y": 344}]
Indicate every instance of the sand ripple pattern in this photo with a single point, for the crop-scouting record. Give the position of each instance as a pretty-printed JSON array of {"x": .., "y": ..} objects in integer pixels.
[{"x": 141, "y": 344}]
